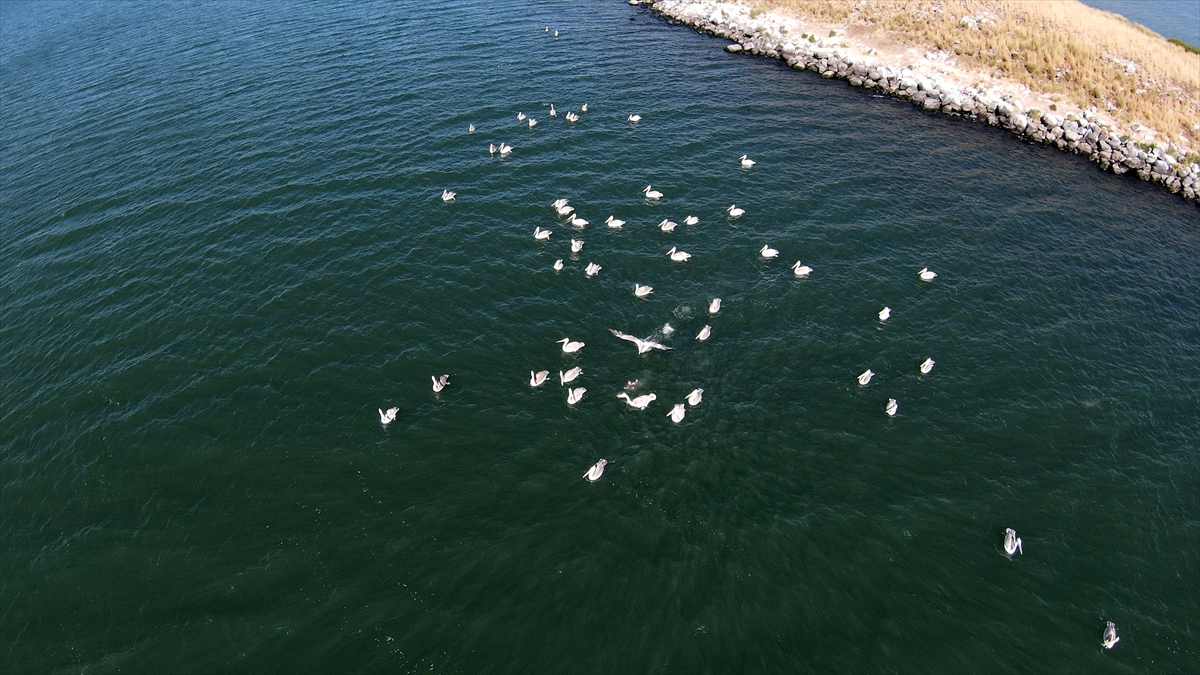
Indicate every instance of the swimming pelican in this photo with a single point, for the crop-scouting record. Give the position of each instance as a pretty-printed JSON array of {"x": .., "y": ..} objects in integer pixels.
[
  {"x": 558, "y": 265},
  {"x": 767, "y": 252},
  {"x": 642, "y": 291},
  {"x": 448, "y": 196},
  {"x": 439, "y": 383},
  {"x": 558, "y": 203},
  {"x": 555, "y": 33},
  {"x": 691, "y": 220},
  {"x": 1012, "y": 543},
  {"x": 569, "y": 376},
  {"x": 491, "y": 148},
  {"x": 592, "y": 269},
  {"x": 926, "y": 366},
  {"x": 532, "y": 123},
  {"x": 1110, "y": 636},
  {"x": 578, "y": 222},
  {"x": 714, "y": 306},
  {"x": 866, "y": 377},
  {"x": 652, "y": 194},
  {"x": 614, "y": 223},
  {"x": 643, "y": 346},
  {"x": 546, "y": 29},
  {"x": 520, "y": 117},
  {"x": 576, "y": 246},
  {"x": 386, "y": 418},
  {"x": 677, "y": 255},
  {"x": 505, "y": 149},
  {"x": 677, "y": 413},
  {"x": 565, "y": 209},
  {"x": 569, "y": 347},
  {"x": 747, "y": 162},
  {"x": 801, "y": 270},
  {"x": 635, "y": 118},
  {"x": 539, "y": 378},
  {"x": 734, "y": 211},
  {"x": 572, "y": 117},
  {"x": 667, "y": 225},
  {"x": 540, "y": 234},
  {"x": 704, "y": 333},
  {"x": 593, "y": 474},
  {"x": 470, "y": 128},
  {"x": 885, "y": 313},
  {"x": 892, "y": 407},
  {"x": 553, "y": 112},
  {"x": 574, "y": 395},
  {"x": 695, "y": 397},
  {"x": 927, "y": 275},
  {"x": 640, "y": 402},
  {"x": 583, "y": 108}
]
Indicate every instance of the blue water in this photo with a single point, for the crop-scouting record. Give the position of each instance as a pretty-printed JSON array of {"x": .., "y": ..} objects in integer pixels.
[
  {"x": 1169, "y": 18},
  {"x": 224, "y": 249}
]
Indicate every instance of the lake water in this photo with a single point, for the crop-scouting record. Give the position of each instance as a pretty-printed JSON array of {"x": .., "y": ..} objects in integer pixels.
[
  {"x": 224, "y": 249},
  {"x": 1169, "y": 18}
]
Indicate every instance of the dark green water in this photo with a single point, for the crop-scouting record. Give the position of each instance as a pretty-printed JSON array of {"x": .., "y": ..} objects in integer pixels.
[{"x": 223, "y": 249}]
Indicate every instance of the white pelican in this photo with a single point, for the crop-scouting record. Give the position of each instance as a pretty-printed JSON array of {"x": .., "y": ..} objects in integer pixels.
[
  {"x": 714, "y": 306},
  {"x": 470, "y": 128},
  {"x": 540, "y": 234},
  {"x": 747, "y": 162},
  {"x": 801, "y": 270},
  {"x": 559, "y": 202},
  {"x": 1110, "y": 636},
  {"x": 520, "y": 117},
  {"x": 652, "y": 194},
  {"x": 926, "y": 366},
  {"x": 583, "y": 107},
  {"x": 574, "y": 395},
  {"x": 734, "y": 211},
  {"x": 704, "y": 333},
  {"x": 539, "y": 378},
  {"x": 592, "y": 269},
  {"x": 565, "y": 209},
  {"x": 643, "y": 346},
  {"x": 439, "y": 383},
  {"x": 677, "y": 413},
  {"x": 389, "y": 416},
  {"x": 635, "y": 118},
  {"x": 553, "y": 112},
  {"x": 926, "y": 274},
  {"x": 572, "y": 117},
  {"x": 558, "y": 265},
  {"x": 505, "y": 149},
  {"x": 555, "y": 33},
  {"x": 569, "y": 376},
  {"x": 614, "y": 223},
  {"x": 891, "y": 407},
  {"x": 642, "y": 291},
  {"x": 885, "y": 313},
  {"x": 677, "y": 255},
  {"x": 640, "y": 402},
  {"x": 448, "y": 196},
  {"x": 576, "y": 246},
  {"x": 570, "y": 347},
  {"x": 768, "y": 252},
  {"x": 691, "y": 220},
  {"x": 593, "y": 474},
  {"x": 695, "y": 397},
  {"x": 578, "y": 222},
  {"x": 491, "y": 148},
  {"x": 532, "y": 123},
  {"x": 865, "y": 378},
  {"x": 1012, "y": 543},
  {"x": 667, "y": 225}
]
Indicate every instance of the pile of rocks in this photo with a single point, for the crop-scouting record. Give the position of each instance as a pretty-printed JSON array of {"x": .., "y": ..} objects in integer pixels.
[{"x": 1084, "y": 133}]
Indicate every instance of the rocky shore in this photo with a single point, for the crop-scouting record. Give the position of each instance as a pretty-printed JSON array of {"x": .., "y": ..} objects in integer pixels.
[{"x": 1084, "y": 132}]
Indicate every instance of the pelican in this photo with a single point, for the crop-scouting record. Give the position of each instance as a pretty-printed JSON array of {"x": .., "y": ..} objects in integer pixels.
[
  {"x": 593, "y": 474},
  {"x": 572, "y": 117},
  {"x": 583, "y": 108},
  {"x": 540, "y": 234},
  {"x": 640, "y": 402},
  {"x": 642, "y": 291},
  {"x": 667, "y": 225},
  {"x": 635, "y": 118},
  {"x": 1012, "y": 543},
  {"x": 695, "y": 397},
  {"x": 677, "y": 413},
  {"x": 565, "y": 209},
  {"x": 389, "y": 416},
  {"x": 491, "y": 148},
  {"x": 558, "y": 265},
  {"x": 714, "y": 306},
  {"x": 574, "y": 395},
  {"x": 505, "y": 149},
  {"x": 546, "y": 29},
  {"x": 520, "y": 117},
  {"x": 704, "y": 333},
  {"x": 592, "y": 269},
  {"x": 559, "y": 202},
  {"x": 643, "y": 346},
  {"x": 801, "y": 270},
  {"x": 569, "y": 376},
  {"x": 691, "y": 220},
  {"x": 926, "y": 274},
  {"x": 555, "y": 33},
  {"x": 539, "y": 378},
  {"x": 632, "y": 384},
  {"x": 576, "y": 246},
  {"x": 553, "y": 112},
  {"x": 926, "y": 366},
  {"x": 885, "y": 313},
  {"x": 1110, "y": 636},
  {"x": 569, "y": 347},
  {"x": 470, "y": 128},
  {"x": 652, "y": 194},
  {"x": 768, "y": 252},
  {"x": 865, "y": 378},
  {"x": 734, "y": 211},
  {"x": 747, "y": 162},
  {"x": 578, "y": 222},
  {"x": 439, "y": 383},
  {"x": 532, "y": 123},
  {"x": 892, "y": 407},
  {"x": 678, "y": 256},
  {"x": 614, "y": 223},
  {"x": 448, "y": 196}
]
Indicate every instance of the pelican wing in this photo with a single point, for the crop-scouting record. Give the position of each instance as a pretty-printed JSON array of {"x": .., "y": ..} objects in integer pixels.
[{"x": 624, "y": 336}]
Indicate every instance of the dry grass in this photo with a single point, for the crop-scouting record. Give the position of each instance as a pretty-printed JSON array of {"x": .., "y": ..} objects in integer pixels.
[{"x": 1058, "y": 47}]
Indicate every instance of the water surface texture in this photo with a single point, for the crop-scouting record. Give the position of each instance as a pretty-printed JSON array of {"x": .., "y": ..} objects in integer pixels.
[{"x": 223, "y": 249}]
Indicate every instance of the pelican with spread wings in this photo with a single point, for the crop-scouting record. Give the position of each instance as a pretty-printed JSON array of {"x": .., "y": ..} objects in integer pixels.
[{"x": 643, "y": 346}]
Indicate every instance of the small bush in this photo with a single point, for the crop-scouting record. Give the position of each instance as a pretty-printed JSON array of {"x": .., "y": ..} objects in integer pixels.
[{"x": 1054, "y": 106}]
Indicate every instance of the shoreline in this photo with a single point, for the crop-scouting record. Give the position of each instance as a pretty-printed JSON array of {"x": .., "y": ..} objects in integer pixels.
[{"x": 935, "y": 86}]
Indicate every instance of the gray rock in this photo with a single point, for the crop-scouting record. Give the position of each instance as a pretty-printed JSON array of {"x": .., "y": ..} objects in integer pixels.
[
  {"x": 1134, "y": 162},
  {"x": 733, "y": 48},
  {"x": 856, "y": 81},
  {"x": 861, "y": 71},
  {"x": 1019, "y": 122},
  {"x": 1162, "y": 167},
  {"x": 931, "y": 103},
  {"x": 1071, "y": 135}
]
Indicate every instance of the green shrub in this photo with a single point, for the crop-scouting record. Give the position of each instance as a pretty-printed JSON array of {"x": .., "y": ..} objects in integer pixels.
[{"x": 1190, "y": 48}]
